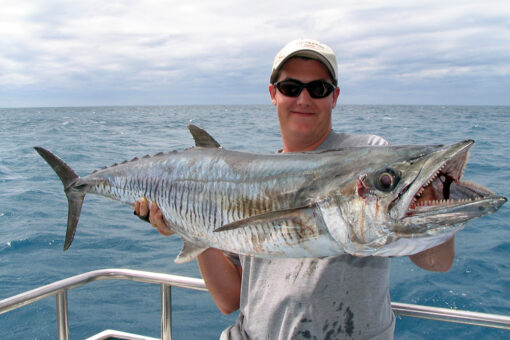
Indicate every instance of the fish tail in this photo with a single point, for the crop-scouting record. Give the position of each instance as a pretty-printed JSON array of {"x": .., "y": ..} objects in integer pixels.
[{"x": 74, "y": 195}]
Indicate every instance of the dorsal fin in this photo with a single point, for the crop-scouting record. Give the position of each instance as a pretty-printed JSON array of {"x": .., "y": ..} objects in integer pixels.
[{"x": 202, "y": 138}]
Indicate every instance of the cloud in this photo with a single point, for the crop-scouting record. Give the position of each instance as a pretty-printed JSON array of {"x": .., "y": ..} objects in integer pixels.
[{"x": 167, "y": 52}]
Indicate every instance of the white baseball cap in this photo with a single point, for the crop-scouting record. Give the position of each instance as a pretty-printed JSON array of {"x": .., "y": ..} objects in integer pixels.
[{"x": 307, "y": 48}]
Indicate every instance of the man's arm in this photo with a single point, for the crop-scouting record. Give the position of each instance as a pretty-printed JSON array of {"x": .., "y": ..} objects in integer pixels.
[{"x": 221, "y": 276}]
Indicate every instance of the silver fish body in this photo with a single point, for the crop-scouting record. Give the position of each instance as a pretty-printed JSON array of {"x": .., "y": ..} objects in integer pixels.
[{"x": 363, "y": 201}]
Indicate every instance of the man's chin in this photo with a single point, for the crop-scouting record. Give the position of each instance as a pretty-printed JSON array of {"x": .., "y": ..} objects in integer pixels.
[
  {"x": 302, "y": 129},
  {"x": 303, "y": 121}
]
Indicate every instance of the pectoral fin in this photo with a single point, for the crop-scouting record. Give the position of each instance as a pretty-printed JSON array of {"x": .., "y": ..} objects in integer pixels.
[{"x": 272, "y": 216}]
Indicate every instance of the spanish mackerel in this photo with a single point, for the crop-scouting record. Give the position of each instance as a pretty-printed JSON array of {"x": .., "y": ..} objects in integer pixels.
[{"x": 360, "y": 200}]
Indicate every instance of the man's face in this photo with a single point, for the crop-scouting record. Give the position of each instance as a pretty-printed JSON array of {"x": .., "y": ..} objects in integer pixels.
[{"x": 304, "y": 118}]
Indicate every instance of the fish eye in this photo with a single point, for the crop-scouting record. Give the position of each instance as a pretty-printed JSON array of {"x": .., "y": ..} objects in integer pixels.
[{"x": 386, "y": 180}]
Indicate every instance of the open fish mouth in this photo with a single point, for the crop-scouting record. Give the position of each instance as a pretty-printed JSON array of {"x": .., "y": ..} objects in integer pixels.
[
  {"x": 446, "y": 191},
  {"x": 436, "y": 191},
  {"x": 439, "y": 189}
]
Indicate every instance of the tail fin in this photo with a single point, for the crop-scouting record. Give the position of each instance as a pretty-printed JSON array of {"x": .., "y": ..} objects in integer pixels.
[{"x": 74, "y": 197}]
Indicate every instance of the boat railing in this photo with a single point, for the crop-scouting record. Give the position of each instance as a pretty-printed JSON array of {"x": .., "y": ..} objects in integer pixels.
[{"x": 166, "y": 281}]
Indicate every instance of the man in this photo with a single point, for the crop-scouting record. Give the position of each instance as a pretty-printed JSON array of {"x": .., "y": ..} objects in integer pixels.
[{"x": 336, "y": 297}]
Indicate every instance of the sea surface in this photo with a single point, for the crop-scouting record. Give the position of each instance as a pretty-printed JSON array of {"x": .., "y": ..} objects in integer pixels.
[{"x": 33, "y": 210}]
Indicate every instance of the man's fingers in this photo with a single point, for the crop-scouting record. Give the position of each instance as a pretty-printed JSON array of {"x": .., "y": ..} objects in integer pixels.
[
  {"x": 154, "y": 208},
  {"x": 144, "y": 207},
  {"x": 153, "y": 215},
  {"x": 156, "y": 219}
]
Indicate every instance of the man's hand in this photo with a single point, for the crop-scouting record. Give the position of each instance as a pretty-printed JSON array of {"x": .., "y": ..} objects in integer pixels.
[{"x": 155, "y": 215}]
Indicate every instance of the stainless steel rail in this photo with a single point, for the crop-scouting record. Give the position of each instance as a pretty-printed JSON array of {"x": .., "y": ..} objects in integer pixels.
[
  {"x": 452, "y": 315},
  {"x": 60, "y": 288}
]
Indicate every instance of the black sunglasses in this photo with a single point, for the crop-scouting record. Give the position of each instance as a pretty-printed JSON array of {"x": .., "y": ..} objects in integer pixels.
[{"x": 316, "y": 88}]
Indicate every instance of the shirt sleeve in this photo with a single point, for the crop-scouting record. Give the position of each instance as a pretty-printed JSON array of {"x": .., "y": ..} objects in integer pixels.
[{"x": 377, "y": 140}]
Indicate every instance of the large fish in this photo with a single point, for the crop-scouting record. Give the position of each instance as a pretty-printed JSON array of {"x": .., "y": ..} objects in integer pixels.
[{"x": 360, "y": 200}]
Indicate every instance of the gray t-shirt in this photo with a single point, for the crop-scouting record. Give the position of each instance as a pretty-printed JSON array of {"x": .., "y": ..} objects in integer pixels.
[{"x": 339, "y": 297}]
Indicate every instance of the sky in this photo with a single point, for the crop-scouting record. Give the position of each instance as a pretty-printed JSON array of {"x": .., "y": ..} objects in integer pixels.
[{"x": 147, "y": 52}]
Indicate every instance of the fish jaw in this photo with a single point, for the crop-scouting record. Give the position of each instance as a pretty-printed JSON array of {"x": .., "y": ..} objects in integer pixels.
[
  {"x": 453, "y": 201},
  {"x": 429, "y": 218}
]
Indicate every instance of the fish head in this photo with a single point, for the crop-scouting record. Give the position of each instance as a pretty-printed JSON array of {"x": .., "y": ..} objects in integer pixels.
[
  {"x": 413, "y": 192},
  {"x": 433, "y": 193}
]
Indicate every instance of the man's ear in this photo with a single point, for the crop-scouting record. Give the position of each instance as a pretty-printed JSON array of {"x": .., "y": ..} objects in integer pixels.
[
  {"x": 272, "y": 93},
  {"x": 336, "y": 94}
]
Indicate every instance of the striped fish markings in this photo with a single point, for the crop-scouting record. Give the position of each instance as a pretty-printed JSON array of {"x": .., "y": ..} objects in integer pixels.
[{"x": 362, "y": 200}]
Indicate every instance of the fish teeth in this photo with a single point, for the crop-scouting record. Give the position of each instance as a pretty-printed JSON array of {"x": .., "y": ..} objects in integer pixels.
[
  {"x": 441, "y": 202},
  {"x": 418, "y": 194}
]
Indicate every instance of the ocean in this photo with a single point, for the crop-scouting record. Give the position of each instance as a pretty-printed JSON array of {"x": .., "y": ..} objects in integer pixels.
[{"x": 33, "y": 210}]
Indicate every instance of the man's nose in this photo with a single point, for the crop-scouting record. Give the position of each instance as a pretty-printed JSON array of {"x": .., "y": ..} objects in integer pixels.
[{"x": 304, "y": 97}]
